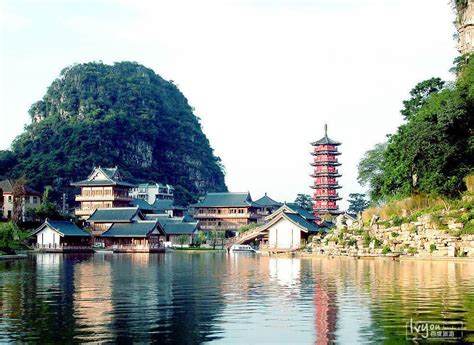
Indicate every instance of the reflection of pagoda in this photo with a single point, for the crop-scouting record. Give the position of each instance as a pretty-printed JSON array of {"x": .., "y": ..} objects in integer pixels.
[
  {"x": 325, "y": 175},
  {"x": 326, "y": 314}
]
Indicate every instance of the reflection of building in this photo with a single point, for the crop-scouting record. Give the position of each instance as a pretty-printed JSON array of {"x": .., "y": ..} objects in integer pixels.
[
  {"x": 325, "y": 175},
  {"x": 93, "y": 299},
  {"x": 226, "y": 211},
  {"x": 287, "y": 271},
  {"x": 150, "y": 192},
  {"x": 31, "y": 199},
  {"x": 103, "y": 188}
]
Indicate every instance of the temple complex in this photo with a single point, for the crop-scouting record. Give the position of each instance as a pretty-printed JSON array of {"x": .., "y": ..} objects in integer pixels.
[{"x": 325, "y": 175}]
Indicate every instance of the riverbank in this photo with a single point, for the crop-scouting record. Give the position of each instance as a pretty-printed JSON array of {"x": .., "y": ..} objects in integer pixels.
[
  {"x": 13, "y": 256},
  {"x": 381, "y": 257}
]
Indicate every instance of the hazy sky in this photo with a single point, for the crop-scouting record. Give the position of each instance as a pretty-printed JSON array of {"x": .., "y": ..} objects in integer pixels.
[{"x": 264, "y": 76}]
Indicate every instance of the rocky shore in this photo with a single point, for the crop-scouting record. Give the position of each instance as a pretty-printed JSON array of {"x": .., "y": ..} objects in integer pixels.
[{"x": 422, "y": 238}]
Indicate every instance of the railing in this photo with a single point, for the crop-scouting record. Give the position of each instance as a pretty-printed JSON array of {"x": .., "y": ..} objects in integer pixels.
[
  {"x": 59, "y": 246},
  {"x": 135, "y": 246},
  {"x": 229, "y": 215},
  {"x": 82, "y": 197}
]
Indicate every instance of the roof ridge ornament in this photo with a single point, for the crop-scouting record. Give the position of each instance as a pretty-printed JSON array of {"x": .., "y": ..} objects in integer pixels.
[{"x": 325, "y": 129}]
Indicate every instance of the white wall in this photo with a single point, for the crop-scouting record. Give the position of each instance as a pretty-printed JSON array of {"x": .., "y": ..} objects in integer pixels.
[
  {"x": 47, "y": 237},
  {"x": 284, "y": 235}
]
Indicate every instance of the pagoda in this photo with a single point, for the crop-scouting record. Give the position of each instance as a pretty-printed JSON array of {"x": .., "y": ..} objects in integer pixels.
[{"x": 325, "y": 175}]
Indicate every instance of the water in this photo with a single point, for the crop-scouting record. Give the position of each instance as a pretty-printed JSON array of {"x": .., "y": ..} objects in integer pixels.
[{"x": 211, "y": 297}]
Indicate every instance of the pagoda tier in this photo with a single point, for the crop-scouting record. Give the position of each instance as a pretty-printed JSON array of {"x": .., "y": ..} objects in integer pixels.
[{"x": 325, "y": 175}]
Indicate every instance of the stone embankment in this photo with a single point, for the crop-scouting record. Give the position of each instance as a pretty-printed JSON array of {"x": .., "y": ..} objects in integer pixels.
[{"x": 420, "y": 238}]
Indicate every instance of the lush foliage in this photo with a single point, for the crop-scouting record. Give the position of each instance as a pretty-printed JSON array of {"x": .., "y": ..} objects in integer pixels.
[
  {"x": 304, "y": 201},
  {"x": 124, "y": 115},
  {"x": 434, "y": 150},
  {"x": 357, "y": 203},
  {"x": 247, "y": 227},
  {"x": 11, "y": 237},
  {"x": 47, "y": 208}
]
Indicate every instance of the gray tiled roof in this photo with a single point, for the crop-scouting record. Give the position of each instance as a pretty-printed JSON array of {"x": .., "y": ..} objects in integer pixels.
[
  {"x": 325, "y": 141},
  {"x": 64, "y": 227},
  {"x": 7, "y": 187},
  {"x": 302, "y": 212},
  {"x": 176, "y": 226},
  {"x": 227, "y": 200},
  {"x": 118, "y": 214},
  {"x": 142, "y": 205},
  {"x": 102, "y": 183},
  {"x": 267, "y": 201},
  {"x": 296, "y": 218},
  {"x": 166, "y": 204},
  {"x": 135, "y": 229}
]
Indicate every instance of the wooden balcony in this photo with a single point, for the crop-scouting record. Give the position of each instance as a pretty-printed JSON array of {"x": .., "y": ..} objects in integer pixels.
[
  {"x": 109, "y": 197},
  {"x": 229, "y": 215}
]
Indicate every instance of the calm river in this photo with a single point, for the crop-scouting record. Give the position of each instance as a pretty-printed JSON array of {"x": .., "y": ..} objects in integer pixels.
[{"x": 212, "y": 297}]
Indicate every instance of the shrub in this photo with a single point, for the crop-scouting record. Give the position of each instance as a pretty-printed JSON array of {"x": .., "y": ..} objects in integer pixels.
[
  {"x": 386, "y": 250},
  {"x": 351, "y": 242},
  {"x": 412, "y": 250},
  {"x": 396, "y": 220},
  {"x": 432, "y": 248},
  {"x": 394, "y": 234}
]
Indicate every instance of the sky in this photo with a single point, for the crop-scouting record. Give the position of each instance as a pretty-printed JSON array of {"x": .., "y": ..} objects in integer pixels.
[{"x": 264, "y": 76}]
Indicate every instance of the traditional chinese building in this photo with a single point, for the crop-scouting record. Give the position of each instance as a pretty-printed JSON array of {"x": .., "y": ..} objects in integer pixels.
[
  {"x": 227, "y": 212},
  {"x": 325, "y": 175},
  {"x": 103, "y": 188}
]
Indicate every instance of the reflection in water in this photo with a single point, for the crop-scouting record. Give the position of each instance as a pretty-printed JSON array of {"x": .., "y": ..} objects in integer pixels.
[{"x": 195, "y": 298}]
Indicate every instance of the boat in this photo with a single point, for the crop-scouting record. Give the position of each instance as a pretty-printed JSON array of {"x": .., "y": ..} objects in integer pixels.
[{"x": 242, "y": 248}]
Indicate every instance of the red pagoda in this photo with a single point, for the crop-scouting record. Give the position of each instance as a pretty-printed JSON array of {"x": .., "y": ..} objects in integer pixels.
[{"x": 325, "y": 175}]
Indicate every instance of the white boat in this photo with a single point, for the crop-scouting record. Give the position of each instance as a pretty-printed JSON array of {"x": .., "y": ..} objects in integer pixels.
[{"x": 242, "y": 248}]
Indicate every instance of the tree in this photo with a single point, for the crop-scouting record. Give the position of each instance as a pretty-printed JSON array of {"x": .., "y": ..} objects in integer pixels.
[
  {"x": 19, "y": 194},
  {"x": 11, "y": 237},
  {"x": 247, "y": 227},
  {"x": 434, "y": 150},
  {"x": 357, "y": 203},
  {"x": 304, "y": 201},
  {"x": 47, "y": 208},
  {"x": 419, "y": 95},
  {"x": 201, "y": 237},
  {"x": 370, "y": 170},
  {"x": 182, "y": 240}
]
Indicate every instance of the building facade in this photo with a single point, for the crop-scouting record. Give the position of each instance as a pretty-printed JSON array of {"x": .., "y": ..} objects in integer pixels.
[
  {"x": 30, "y": 200},
  {"x": 151, "y": 192},
  {"x": 325, "y": 174},
  {"x": 55, "y": 234},
  {"x": 226, "y": 212},
  {"x": 103, "y": 188}
]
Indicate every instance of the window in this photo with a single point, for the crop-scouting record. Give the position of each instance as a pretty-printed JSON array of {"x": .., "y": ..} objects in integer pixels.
[{"x": 10, "y": 198}]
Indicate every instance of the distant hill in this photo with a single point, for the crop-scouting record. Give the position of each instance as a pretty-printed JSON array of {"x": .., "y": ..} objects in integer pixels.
[{"x": 124, "y": 115}]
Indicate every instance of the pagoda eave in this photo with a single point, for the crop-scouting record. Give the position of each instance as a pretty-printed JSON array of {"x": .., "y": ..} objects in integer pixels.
[
  {"x": 318, "y": 153},
  {"x": 321, "y": 186},
  {"x": 326, "y": 197},
  {"x": 335, "y": 175},
  {"x": 315, "y": 164}
]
